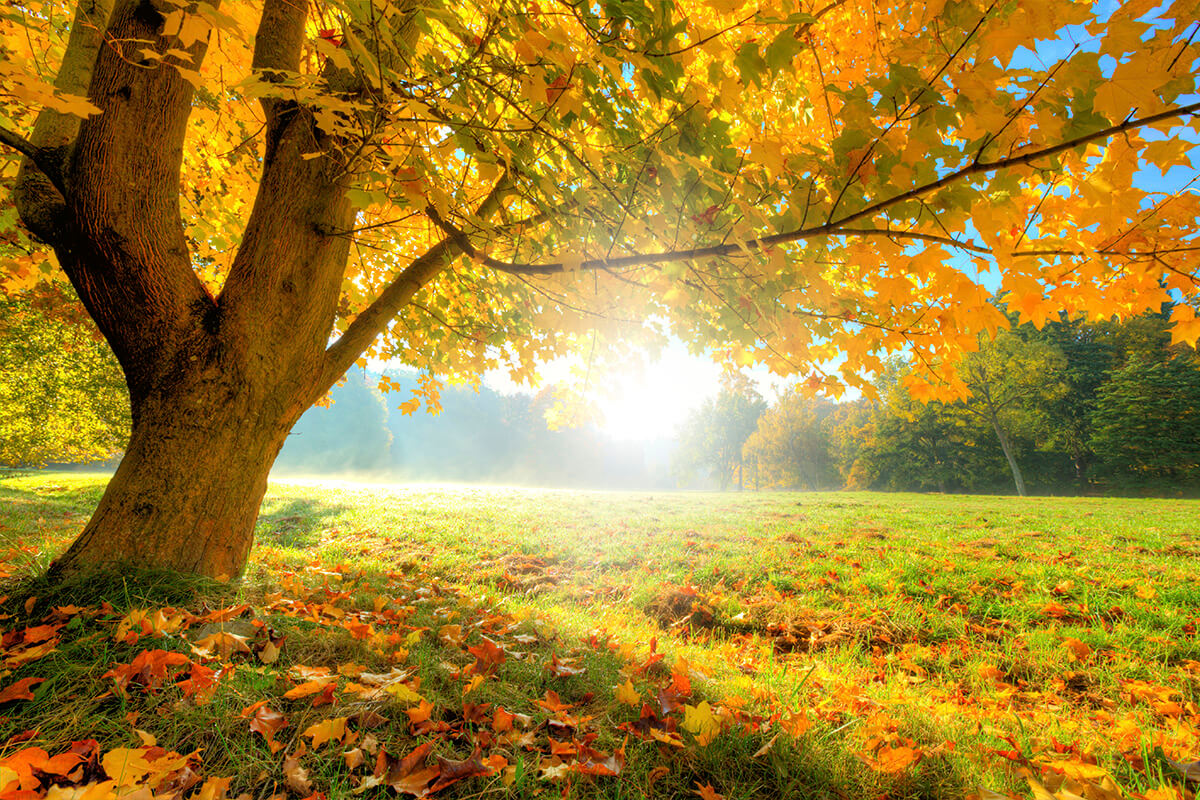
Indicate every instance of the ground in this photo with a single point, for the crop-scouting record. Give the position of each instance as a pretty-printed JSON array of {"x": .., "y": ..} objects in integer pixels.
[{"x": 467, "y": 642}]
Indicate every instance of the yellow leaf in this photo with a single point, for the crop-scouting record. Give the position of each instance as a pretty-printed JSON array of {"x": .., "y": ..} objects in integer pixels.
[
  {"x": 331, "y": 730},
  {"x": 403, "y": 693},
  {"x": 701, "y": 722},
  {"x": 628, "y": 695}
]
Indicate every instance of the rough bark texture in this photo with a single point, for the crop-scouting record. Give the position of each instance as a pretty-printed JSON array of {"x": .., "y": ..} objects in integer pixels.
[
  {"x": 215, "y": 383},
  {"x": 188, "y": 490}
]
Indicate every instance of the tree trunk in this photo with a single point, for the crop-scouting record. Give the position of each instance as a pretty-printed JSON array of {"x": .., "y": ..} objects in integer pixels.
[
  {"x": 1008, "y": 453},
  {"x": 187, "y": 492}
]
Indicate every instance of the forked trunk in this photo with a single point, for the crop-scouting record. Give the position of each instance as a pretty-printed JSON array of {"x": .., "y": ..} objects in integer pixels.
[{"x": 188, "y": 490}]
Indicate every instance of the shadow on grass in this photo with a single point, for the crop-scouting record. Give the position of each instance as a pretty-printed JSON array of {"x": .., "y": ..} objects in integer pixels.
[{"x": 294, "y": 522}]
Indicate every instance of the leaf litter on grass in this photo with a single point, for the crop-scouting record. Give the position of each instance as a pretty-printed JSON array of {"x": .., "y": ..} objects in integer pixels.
[{"x": 587, "y": 673}]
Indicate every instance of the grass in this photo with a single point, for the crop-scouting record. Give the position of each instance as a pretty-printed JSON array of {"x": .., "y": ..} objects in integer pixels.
[{"x": 852, "y": 645}]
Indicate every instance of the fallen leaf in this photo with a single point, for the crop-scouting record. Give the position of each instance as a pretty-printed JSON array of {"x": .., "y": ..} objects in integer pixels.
[
  {"x": 331, "y": 730},
  {"x": 707, "y": 792},
  {"x": 552, "y": 702},
  {"x": 454, "y": 771},
  {"x": 896, "y": 759},
  {"x": 354, "y": 758},
  {"x": 308, "y": 688},
  {"x": 563, "y": 667},
  {"x": 502, "y": 720},
  {"x": 221, "y": 643},
  {"x": 628, "y": 695},
  {"x": 296, "y": 777},
  {"x": 19, "y": 690},
  {"x": 1076, "y": 649},
  {"x": 766, "y": 748},
  {"x": 701, "y": 722},
  {"x": 488, "y": 656},
  {"x": 266, "y": 722},
  {"x": 403, "y": 693}
]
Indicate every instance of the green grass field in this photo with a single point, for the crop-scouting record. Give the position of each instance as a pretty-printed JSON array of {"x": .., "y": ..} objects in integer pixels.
[{"x": 840, "y": 645}]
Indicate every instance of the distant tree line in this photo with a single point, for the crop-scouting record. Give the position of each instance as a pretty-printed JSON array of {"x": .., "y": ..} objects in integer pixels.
[
  {"x": 1073, "y": 407},
  {"x": 477, "y": 436}
]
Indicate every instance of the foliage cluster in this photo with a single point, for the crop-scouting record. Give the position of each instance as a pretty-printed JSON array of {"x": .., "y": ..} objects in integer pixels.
[
  {"x": 249, "y": 198},
  {"x": 61, "y": 394}
]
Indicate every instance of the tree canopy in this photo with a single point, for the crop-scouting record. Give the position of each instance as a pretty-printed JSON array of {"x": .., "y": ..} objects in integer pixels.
[
  {"x": 826, "y": 166},
  {"x": 248, "y": 198}
]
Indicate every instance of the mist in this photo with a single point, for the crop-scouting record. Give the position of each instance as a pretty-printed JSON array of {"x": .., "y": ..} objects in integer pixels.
[{"x": 478, "y": 438}]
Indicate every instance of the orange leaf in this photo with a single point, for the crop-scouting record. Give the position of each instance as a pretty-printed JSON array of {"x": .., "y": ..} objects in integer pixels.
[{"x": 19, "y": 690}]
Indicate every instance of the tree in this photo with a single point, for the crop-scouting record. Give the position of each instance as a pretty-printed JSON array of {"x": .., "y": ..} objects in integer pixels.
[
  {"x": 791, "y": 445},
  {"x": 1006, "y": 376},
  {"x": 61, "y": 394},
  {"x": 919, "y": 445},
  {"x": 714, "y": 434},
  {"x": 1147, "y": 418},
  {"x": 1089, "y": 356},
  {"x": 248, "y": 198}
]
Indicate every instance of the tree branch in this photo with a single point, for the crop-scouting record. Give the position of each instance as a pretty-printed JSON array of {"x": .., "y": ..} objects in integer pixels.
[
  {"x": 39, "y": 191},
  {"x": 359, "y": 334},
  {"x": 838, "y": 226},
  {"x": 127, "y": 254},
  {"x": 38, "y": 155}
]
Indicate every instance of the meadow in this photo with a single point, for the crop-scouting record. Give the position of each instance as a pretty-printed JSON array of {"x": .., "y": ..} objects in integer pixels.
[{"x": 500, "y": 642}]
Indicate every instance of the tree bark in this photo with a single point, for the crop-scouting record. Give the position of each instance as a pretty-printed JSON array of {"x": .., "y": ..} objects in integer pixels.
[{"x": 187, "y": 492}]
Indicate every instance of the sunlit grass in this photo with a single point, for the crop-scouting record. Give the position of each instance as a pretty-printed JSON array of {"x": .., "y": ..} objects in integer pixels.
[{"x": 990, "y": 636}]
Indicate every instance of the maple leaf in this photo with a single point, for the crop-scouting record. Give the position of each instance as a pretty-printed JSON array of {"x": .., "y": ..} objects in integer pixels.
[
  {"x": 330, "y": 730},
  {"x": 296, "y": 777},
  {"x": 628, "y": 695},
  {"x": 488, "y": 656},
  {"x": 450, "y": 772},
  {"x": 149, "y": 765},
  {"x": 221, "y": 643},
  {"x": 403, "y": 693},
  {"x": 563, "y": 667},
  {"x": 1077, "y": 650},
  {"x": 19, "y": 690},
  {"x": 553, "y": 703},
  {"x": 707, "y": 792},
  {"x": 309, "y": 688},
  {"x": 148, "y": 668},
  {"x": 404, "y": 776},
  {"x": 702, "y": 722},
  {"x": 895, "y": 759},
  {"x": 795, "y": 724},
  {"x": 266, "y": 722}
]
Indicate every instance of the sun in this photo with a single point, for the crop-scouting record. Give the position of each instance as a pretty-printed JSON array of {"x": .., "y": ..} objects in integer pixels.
[{"x": 652, "y": 402}]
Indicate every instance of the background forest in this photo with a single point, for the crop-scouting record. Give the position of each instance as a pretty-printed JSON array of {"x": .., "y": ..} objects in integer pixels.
[{"x": 1069, "y": 408}]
